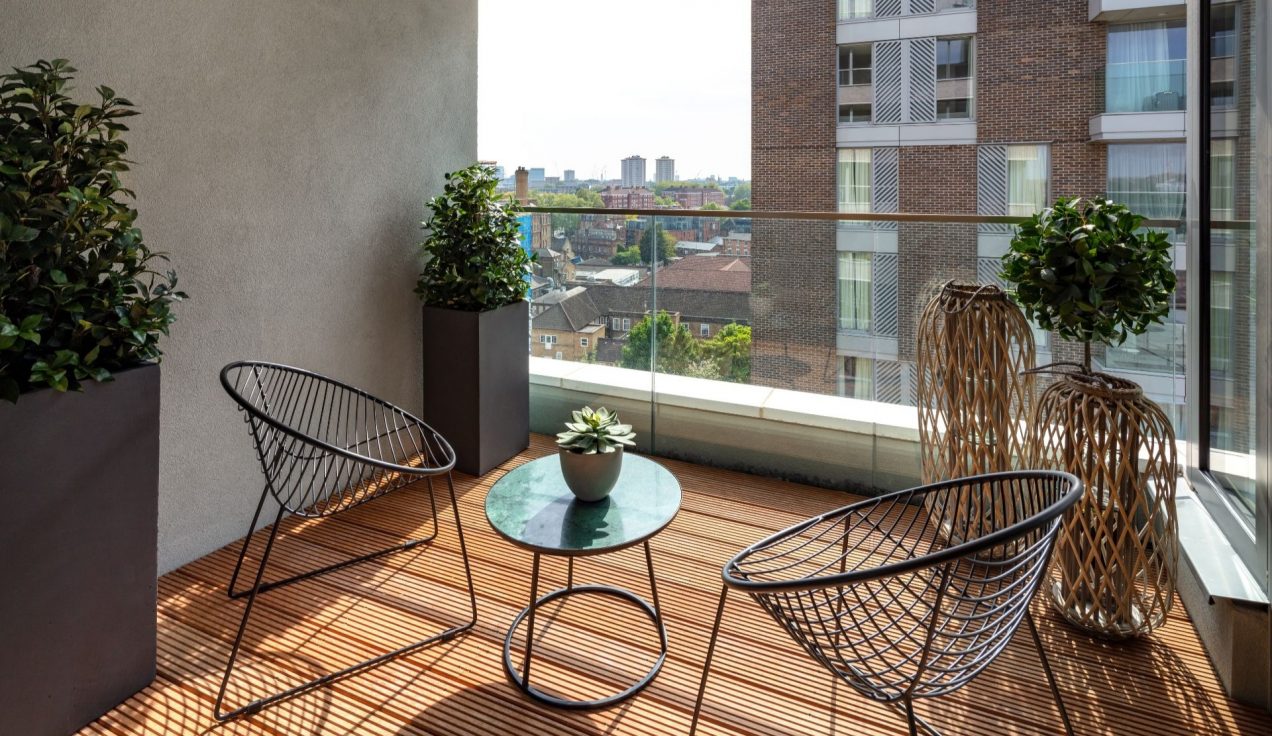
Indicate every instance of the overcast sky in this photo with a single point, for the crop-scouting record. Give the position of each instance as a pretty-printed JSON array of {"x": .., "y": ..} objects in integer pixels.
[{"x": 582, "y": 84}]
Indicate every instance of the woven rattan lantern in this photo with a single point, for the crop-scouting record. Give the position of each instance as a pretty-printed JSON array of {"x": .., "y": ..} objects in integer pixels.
[
  {"x": 974, "y": 394},
  {"x": 1115, "y": 559}
]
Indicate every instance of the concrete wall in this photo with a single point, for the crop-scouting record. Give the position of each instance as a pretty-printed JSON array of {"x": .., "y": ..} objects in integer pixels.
[{"x": 282, "y": 159}]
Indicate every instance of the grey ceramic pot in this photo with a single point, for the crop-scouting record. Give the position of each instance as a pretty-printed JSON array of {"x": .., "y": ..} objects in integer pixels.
[{"x": 591, "y": 477}]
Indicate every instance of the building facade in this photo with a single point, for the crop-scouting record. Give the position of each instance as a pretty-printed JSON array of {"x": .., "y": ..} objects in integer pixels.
[
  {"x": 693, "y": 198},
  {"x": 633, "y": 172},
  {"x": 665, "y": 169},
  {"x": 634, "y": 198},
  {"x": 951, "y": 107}
]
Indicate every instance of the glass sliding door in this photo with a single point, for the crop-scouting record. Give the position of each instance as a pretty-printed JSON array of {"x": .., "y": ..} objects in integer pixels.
[{"x": 1232, "y": 279}]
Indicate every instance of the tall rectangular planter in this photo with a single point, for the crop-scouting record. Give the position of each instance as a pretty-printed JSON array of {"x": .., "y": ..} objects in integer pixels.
[
  {"x": 477, "y": 383},
  {"x": 79, "y": 485}
]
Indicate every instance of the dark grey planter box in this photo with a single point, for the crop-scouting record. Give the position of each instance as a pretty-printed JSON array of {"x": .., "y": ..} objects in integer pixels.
[
  {"x": 477, "y": 383},
  {"x": 79, "y": 484}
]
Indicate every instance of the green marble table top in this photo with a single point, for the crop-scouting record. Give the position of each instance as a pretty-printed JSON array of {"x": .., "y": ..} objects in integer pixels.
[{"x": 533, "y": 508}]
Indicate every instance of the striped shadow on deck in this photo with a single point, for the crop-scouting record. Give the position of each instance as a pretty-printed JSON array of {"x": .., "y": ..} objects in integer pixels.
[{"x": 761, "y": 684}]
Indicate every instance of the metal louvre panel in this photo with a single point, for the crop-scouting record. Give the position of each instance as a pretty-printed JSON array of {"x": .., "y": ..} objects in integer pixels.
[
  {"x": 887, "y": 8},
  {"x": 885, "y": 195},
  {"x": 887, "y": 82},
  {"x": 922, "y": 6},
  {"x": 888, "y": 382},
  {"x": 922, "y": 97},
  {"x": 991, "y": 186},
  {"x": 989, "y": 271},
  {"x": 886, "y": 301}
]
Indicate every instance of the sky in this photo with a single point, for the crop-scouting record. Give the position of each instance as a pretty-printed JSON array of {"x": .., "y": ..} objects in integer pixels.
[{"x": 582, "y": 84}]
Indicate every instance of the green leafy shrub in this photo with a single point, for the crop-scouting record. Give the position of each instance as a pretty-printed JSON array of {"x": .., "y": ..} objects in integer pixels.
[
  {"x": 1087, "y": 270},
  {"x": 474, "y": 259},
  {"x": 79, "y": 296}
]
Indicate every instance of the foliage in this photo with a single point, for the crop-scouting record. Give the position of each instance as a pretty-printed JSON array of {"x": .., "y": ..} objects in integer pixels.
[
  {"x": 475, "y": 262},
  {"x": 663, "y": 186},
  {"x": 583, "y": 197},
  {"x": 677, "y": 349},
  {"x": 712, "y": 206},
  {"x": 740, "y": 192},
  {"x": 79, "y": 296},
  {"x": 627, "y": 257},
  {"x": 669, "y": 202},
  {"x": 1086, "y": 269},
  {"x": 594, "y": 432},
  {"x": 666, "y": 245},
  {"x": 729, "y": 350},
  {"x": 741, "y": 204}
]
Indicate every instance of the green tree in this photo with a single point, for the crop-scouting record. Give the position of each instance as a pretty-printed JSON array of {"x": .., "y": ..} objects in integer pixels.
[
  {"x": 584, "y": 197},
  {"x": 730, "y": 351},
  {"x": 627, "y": 257},
  {"x": 677, "y": 349},
  {"x": 740, "y": 192},
  {"x": 711, "y": 206},
  {"x": 666, "y": 245},
  {"x": 589, "y": 197},
  {"x": 741, "y": 204}
]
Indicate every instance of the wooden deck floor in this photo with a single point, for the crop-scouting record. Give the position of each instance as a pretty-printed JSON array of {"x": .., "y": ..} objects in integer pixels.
[{"x": 760, "y": 684}]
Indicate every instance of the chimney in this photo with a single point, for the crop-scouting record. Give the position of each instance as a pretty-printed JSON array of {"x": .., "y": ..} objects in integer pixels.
[{"x": 523, "y": 185}]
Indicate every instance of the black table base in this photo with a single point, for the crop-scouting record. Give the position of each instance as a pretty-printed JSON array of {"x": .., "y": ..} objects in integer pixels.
[{"x": 522, "y": 679}]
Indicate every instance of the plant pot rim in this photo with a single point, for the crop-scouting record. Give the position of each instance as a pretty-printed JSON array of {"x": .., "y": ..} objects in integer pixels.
[
  {"x": 1103, "y": 385},
  {"x": 88, "y": 384},
  {"x": 426, "y": 305}
]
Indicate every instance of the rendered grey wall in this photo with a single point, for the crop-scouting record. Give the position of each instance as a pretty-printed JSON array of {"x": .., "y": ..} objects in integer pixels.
[{"x": 283, "y": 156}]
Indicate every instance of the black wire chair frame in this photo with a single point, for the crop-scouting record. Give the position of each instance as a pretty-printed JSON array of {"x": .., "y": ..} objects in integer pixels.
[
  {"x": 326, "y": 447},
  {"x": 879, "y": 594}
]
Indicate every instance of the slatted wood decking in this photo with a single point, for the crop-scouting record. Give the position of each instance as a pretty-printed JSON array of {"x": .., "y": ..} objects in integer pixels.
[{"x": 761, "y": 684}]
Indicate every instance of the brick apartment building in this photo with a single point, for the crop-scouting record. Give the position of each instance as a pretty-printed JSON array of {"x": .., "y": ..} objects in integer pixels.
[
  {"x": 627, "y": 198},
  {"x": 693, "y": 198},
  {"x": 955, "y": 107}
]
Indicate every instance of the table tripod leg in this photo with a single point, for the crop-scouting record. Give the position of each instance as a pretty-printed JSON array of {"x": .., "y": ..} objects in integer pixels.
[{"x": 534, "y": 597}]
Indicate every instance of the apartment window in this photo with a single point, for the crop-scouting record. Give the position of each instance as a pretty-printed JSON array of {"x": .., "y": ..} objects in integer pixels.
[
  {"x": 856, "y": 377},
  {"x": 1148, "y": 178},
  {"x": 548, "y": 339},
  {"x": 560, "y": 355},
  {"x": 849, "y": 9},
  {"x": 582, "y": 342},
  {"x": 1146, "y": 69},
  {"x": 854, "y": 291},
  {"x": 1223, "y": 31},
  {"x": 1026, "y": 180},
  {"x": 1221, "y": 336},
  {"x": 954, "y": 58},
  {"x": 627, "y": 324},
  {"x": 953, "y": 109},
  {"x": 1222, "y": 179},
  {"x": 859, "y": 113},
  {"x": 854, "y": 65},
  {"x": 616, "y": 323},
  {"x": 704, "y": 330},
  {"x": 854, "y": 180}
]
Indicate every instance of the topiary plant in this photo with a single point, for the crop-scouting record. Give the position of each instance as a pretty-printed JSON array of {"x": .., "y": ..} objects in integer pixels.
[
  {"x": 474, "y": 259},
  {"x": 79, "y": 298},
  {"x": 1087, "y": 270}
]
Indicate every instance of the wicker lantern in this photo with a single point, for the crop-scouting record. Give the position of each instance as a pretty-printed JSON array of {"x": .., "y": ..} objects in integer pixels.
[
  {"x": 1115, "y": 558},
  {"x": 974, "y": 395}
]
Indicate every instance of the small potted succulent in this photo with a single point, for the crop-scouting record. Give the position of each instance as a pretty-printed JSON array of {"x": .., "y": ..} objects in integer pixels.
[{"x": 592, "y": 452}]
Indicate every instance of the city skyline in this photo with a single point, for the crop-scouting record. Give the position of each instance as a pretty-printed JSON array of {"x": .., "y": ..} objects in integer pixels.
[{"x": 555, "y": 93}]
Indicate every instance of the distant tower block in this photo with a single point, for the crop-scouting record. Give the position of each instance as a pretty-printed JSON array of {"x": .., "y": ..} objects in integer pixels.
[
  {"x": 569, "y": 176},
  {"x": 633, "y": 171},
  {"x": 665, "y": 169}
]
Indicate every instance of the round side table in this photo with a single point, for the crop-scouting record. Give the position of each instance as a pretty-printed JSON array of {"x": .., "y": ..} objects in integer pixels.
[{"x": 533, "y": 508}]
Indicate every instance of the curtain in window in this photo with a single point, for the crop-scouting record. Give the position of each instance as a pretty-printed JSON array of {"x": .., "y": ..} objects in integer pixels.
[
  {"x": 854, "y": 291},
  {"x": 1222, "y": 180},
  {"x": 858, "y": 378},
  {"x": 855, "y": 8},
  {"x": 1220, "y": 322},
  {"x": 854, "y": 180},
  {"x": 1146, "y": 67},
  {"x": 1026, "y": 180},
  {"x": 1148, "y": 178}
]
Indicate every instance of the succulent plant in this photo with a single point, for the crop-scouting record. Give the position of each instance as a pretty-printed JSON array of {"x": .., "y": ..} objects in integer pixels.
[{"x": 594, "y": 432}]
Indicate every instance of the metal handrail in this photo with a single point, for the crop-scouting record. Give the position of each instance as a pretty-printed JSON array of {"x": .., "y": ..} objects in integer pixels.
[{"x": 831, "y": 216}]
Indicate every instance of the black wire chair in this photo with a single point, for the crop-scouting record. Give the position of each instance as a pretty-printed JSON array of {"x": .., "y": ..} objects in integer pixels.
[
  {"x": 877, "y": 594},
  {"x": 326, "y": 447}
]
